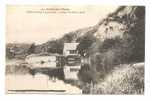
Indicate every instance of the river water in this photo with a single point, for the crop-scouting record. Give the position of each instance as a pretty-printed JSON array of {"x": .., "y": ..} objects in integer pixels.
[{"x": 38, "y": 84}]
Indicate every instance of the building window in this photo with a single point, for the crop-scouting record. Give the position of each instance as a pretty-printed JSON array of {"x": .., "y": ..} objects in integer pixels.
[
  {"x": 73, "y": 70},
  {"x": 73, "y": 51}
]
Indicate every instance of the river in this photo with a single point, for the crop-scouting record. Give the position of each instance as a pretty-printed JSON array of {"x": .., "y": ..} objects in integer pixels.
[{"x": 39, "y": 83}]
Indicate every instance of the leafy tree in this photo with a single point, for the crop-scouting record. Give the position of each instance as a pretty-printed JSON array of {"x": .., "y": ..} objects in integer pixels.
[
  {"x": 55, "y": 46},
  {"x": 32, "y": 48},
  {"x": 85, "y": 44}
]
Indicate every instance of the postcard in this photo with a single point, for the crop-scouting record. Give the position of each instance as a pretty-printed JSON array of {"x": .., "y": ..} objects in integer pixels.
[{"x": 75, "y": 49}]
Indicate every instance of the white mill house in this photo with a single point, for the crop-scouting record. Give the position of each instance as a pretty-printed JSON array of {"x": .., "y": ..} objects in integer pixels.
[{"x": 73, "y": 61}]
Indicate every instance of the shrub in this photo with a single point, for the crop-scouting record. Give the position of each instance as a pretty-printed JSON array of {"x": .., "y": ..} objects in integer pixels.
[{"x": 124, "y": 79}]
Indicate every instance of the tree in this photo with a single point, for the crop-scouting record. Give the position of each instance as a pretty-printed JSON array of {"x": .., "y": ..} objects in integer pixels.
[
  {"x": 85, "y": 44},
  {"x": 32, "y": 48}
]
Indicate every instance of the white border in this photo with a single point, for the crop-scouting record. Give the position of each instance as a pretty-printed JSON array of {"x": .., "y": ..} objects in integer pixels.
[
  {"x": 129, "y": 2},
  {"x": 3, "y": 3}
]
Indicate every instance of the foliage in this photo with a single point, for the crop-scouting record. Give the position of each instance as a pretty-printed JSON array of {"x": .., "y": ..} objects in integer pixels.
[
  {"x": 32, "y": 48},
  {"x": 85, "y": 44},
  {"x": 88, "y": 75},
  {"x": 55, "y": 47},
  {"x": 124, "y": 79},
  {"x": 115, "y": 51}
]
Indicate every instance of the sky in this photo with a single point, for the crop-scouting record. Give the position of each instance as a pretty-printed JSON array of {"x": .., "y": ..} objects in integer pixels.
[{"x": 26, "y": 23}]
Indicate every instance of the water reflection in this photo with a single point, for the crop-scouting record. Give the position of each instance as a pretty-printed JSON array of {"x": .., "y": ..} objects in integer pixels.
[{"x": 38, "y": 82}]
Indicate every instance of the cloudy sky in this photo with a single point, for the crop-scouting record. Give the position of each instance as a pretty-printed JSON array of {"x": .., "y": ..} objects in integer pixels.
[{"x": 26, "y": 24}]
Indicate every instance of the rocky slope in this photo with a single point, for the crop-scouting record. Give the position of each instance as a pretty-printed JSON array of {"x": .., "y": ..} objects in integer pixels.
[
  {"x": 119, "y": 39},
  {"x": 116, "y": 24}
]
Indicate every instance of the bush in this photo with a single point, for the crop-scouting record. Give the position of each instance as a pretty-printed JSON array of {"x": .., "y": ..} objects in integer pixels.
[
  {"x": 88, "y": 75},
  {"x": 124, "y": 79},
  {"x": 85, "y": 44}
]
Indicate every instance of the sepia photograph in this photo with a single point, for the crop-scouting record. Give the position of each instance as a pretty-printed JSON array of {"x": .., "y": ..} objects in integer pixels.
[{"x": 75, "y": 49}]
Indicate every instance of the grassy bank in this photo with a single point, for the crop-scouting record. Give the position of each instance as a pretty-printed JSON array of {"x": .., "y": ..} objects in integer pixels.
[{"x": 123, "y": 79}]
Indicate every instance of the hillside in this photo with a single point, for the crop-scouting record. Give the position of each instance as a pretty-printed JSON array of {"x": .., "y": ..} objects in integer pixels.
[{"x": 118, "y": 41}]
